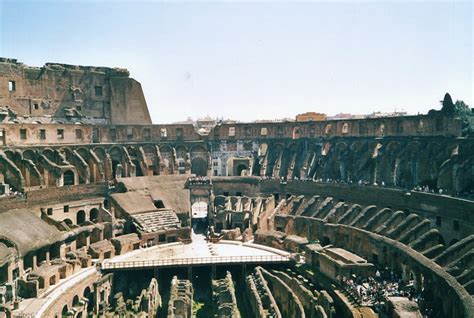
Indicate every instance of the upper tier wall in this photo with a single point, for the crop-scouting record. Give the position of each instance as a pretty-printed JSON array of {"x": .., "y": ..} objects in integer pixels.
[
  {"x": 68, "y": 92},
  {"x": 18, "y": 134},
  {"x": 443, "y": 211}
]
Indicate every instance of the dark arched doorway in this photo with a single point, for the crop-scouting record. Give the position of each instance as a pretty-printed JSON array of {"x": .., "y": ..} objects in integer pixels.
[
  {"x": 241, "y": 168},
  {"x": 64, "y": 311},
  {"x": 199, "y": 166},
  {"x": 89, "y": 296},
  {"x": 81, "y": 217},
  {"x": 68, "y": 178},
  {"x": 94, "y": 215},
  {"x": 325, "y": 241},
  {"x": 138, "y": 168},
  {"x": 75, "y": 301},
  {"x": 159, "y": 204}
]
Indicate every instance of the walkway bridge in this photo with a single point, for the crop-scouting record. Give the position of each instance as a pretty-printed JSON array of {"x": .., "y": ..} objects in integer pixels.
[{"x": 198, "y": 253}]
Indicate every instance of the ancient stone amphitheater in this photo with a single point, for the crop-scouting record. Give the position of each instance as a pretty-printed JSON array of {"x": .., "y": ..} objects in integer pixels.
[{"x": 103, "y": 214}]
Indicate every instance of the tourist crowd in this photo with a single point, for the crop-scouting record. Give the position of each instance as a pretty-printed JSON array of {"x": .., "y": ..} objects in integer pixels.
[
  {"x": 374, "y": 290},
  {"x": 199, "y": 180},
  {"x": 362, "y": 182},
  {"x": 13, "y": 193}
]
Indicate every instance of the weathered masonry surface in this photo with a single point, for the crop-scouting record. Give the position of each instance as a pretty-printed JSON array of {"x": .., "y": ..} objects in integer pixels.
[{"x": 101, "y": 210}]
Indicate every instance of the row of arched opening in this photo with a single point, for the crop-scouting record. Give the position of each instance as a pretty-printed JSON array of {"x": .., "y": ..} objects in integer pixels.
[
  {"x": 79, "y": 302},
  {"x": 81, "y": 216}
]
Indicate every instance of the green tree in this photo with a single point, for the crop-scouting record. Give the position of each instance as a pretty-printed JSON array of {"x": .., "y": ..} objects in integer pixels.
[
  {"x": 448, "y": 106},
  {"x": 464, "y": 113}
]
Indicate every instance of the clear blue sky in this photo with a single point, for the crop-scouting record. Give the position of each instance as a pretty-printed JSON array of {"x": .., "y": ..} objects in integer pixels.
[{"x": 258, "y": 60}]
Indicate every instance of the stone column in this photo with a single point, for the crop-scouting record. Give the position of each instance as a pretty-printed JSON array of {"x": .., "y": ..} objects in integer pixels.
[
  {"x": 10, "y": 268},
  {"x": 34, "y": 259},
  {"x": 62, "y": 250},
  {"x": 418, "y": 281}
]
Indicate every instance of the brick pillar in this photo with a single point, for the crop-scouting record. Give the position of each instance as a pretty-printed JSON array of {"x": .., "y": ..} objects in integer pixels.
[
  {"x": 34, "y": 261},
  {"x": 62, "y": 250}
]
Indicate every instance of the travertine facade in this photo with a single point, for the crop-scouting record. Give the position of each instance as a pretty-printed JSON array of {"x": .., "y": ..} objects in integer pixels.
[{"x": 61, "y": 93}]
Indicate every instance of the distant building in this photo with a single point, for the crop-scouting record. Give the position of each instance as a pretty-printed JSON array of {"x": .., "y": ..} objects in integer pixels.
[
  {"x": 361, "y": 116},
  {"x": 311, "y": 116},
  {"x": 341, "y": 116},
  {"x": 205, "y": 125},
  {"x": 206, "y": 122},
  {"x": 388, "y": 114}
]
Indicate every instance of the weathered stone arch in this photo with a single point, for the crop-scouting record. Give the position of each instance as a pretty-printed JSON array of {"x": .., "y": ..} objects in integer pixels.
[
  {"x": 28, "y": 168},
  {"x": 11, "y": 154},
  {"x": 152, "y": 158},
  {"x": 165, "y": 148},
  {"x": 11, "y": 172},
  {"x": 117, "y": 157},
  {"x": 49, "y": 153},
  {"x": 314, "y": 159},
  {"x": 137, "y": 158},
  {"x": 30, "y": 154},
  {"x": 100, "y": 152},
  {"x": 358, "y": 146},
  {"x": 181, "y": 151},
  {"x": 199, "y": 160},
  {"x": 88, "y": 295},
  {"x": 199, "y": 166},
  {"x": 80, "y": 164},
  {"x": 98, "y": 162},
  {"x": 84, "y": 152},
  {"x": 197, "y": 150},
  {"x": 183, "y": 162},
  {"x": 167, "y": 164}
]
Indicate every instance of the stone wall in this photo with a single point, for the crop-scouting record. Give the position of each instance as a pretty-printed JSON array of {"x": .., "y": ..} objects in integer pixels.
[
  {"x": 261, "y": 300},
  {"x": 224, "y": 300},
  {"x": 181, "y": 299},
  {"x": 438, "y": 163},
  {"x": 394, "y": 254},
  {"x": 49, "y": 197},
  {"x": 145, "y": 303},
  {"x": 274, "y": 293},
  {"x": 70, "y": 93},
  {"x": 74, "y": 302},
  {"x": 451, "y": 216},
  {"x": 130, "y": 130},
  {"x": 290, "y": 305}
]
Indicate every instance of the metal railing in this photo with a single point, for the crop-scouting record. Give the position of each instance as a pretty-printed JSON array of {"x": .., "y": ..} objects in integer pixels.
[{"x": 212, "y": 260}]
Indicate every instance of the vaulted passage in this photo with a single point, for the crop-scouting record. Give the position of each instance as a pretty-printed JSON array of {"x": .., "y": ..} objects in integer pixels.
[
  {"x": 199, "y": 167},
  {"x": 68, "y": 178}
]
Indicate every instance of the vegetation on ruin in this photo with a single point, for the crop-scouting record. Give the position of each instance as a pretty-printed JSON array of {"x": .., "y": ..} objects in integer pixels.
[
  {"x": 464, "y": 113},
  {"x": 201, "y": 309}
]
